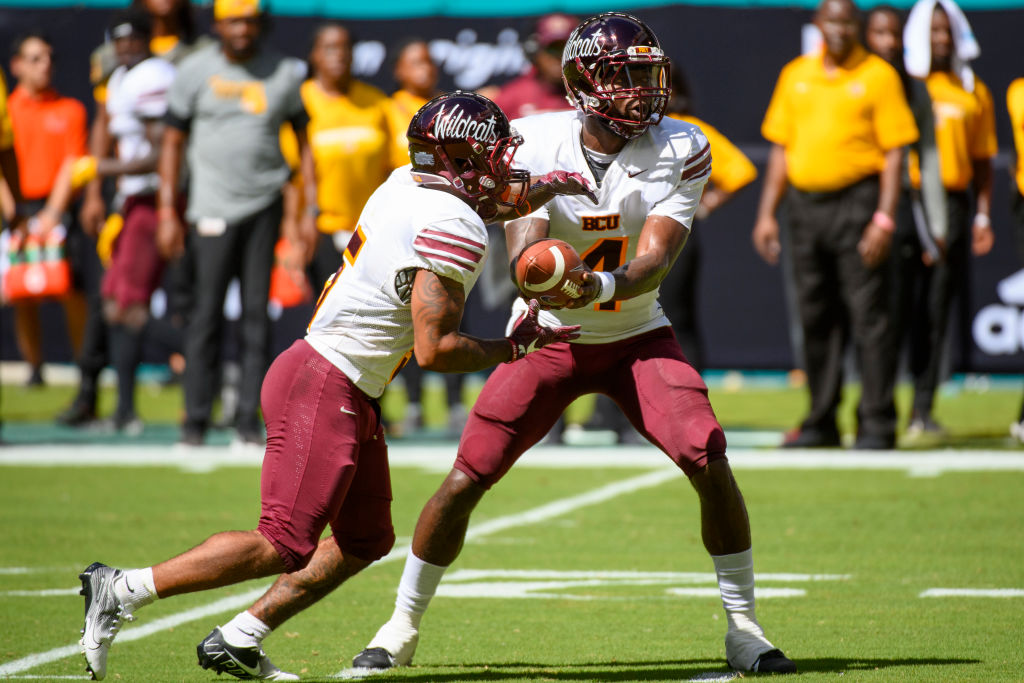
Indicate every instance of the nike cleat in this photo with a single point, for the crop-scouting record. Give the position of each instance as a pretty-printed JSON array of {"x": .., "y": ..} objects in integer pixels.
[
  {"x": 374, "y": 658},
  {"x": 401, "y": 641},
  {"x": 247, "y": 663},
  {"x": 103, "y": 616}
]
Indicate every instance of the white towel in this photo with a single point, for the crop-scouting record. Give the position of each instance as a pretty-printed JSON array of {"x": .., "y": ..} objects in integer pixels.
[{"x": 917, "y": 41}]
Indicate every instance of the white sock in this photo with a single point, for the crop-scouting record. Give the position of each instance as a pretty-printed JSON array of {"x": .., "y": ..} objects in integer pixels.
[
  {"x": 745, "y": 639},
  {"x": 419, "y": 583},
  {"x": 135, "y": 588},
  {"x": 245, "y": 630},
  {"x": 736, "y": 583}
]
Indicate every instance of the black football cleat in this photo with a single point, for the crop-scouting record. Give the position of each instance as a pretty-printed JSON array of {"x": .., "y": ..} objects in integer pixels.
[
  {"x": 374, "y": 658},
  {"x": 774, "y": 662}
]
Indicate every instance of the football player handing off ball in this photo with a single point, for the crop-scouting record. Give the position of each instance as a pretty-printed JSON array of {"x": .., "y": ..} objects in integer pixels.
[
  {"x": 649, "y": 174},
  {"x": 417, "y": 251}
]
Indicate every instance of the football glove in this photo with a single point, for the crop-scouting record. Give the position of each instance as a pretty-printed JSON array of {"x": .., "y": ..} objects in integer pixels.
[{"x": 528, "y": 335}]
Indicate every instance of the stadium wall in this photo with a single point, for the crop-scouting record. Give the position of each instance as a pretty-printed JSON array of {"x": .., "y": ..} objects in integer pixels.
[{"x": 732, "y": 56}]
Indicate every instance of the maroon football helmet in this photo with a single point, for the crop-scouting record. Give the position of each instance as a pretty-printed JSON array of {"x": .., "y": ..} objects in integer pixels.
[
  {"x": 615, "y": 56},
  {"x": 462, "y": 143}
]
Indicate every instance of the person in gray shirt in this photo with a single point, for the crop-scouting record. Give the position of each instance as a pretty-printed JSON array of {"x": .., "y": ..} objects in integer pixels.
[{"x": 226, "y": 106}]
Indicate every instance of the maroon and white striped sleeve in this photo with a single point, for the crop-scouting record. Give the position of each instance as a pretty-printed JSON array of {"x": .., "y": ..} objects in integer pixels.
[
  {"x": 449, "y": 254},
  {"x": 698, "y": 165}
]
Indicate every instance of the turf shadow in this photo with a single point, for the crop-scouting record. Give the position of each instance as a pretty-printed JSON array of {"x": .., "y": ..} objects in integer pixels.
[{"x": 647, "y": 670}]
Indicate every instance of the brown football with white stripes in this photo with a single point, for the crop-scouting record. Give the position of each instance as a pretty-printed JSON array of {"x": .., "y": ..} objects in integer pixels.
[{"x": 550, "y": 271}]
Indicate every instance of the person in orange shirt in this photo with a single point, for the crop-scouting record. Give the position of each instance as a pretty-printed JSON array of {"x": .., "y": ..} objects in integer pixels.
[{"x": 48, "y": 129}]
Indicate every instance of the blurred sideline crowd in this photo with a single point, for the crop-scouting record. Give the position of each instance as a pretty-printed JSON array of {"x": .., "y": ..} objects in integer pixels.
[{"x": 214, "y": 160}]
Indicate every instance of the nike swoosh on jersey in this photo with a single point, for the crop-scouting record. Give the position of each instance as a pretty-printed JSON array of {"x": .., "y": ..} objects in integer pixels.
[
  {"x": 634, "y": 174},
  {"x": 346, "y": 411}
]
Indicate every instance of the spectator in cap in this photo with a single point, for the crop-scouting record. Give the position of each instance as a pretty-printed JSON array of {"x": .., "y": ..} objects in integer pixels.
[
  {"x": 226, "y": 108},
  {"x": 540, "y": 89}
]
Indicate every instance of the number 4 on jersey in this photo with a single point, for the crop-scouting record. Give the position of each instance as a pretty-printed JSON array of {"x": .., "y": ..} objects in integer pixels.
[{"x": 606, "y": 255}]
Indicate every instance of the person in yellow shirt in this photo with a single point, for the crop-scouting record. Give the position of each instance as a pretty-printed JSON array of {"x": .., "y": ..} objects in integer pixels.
[
  {"x": 838, "y": 122},
  {"x": 966, "y": 139},
  {"x": 1015, "y": 105},
  {"x": 351, "y": 143},
  {"x": 416, "y": 75}
]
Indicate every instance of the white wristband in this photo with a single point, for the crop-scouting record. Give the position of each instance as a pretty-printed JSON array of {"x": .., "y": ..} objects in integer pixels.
[
  {"x": 607, "y": 281},
  {"x": 983, "y": 220}
]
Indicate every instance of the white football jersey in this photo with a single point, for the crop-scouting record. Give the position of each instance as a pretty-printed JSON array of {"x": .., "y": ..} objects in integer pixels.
[
  {"x": 662, "y": 172},
  {"x": 363, "y": 319},
  {"x": 134, "y": 96}
]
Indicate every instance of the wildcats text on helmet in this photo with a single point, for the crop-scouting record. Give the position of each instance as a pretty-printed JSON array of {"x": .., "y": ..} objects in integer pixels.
[
  {"x": 457, "y": 124},
  {"x": 583, "y": 47}
]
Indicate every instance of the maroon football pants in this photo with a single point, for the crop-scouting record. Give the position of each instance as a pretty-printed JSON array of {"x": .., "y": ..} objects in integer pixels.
[
  {"x": 326, "y": 461},
  {"x": 647, "y": 376}
]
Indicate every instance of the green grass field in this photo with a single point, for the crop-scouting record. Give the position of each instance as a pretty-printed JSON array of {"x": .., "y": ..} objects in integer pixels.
[
  {"x": 612, "y": 600},
  {"x": 609, "y": 584}
]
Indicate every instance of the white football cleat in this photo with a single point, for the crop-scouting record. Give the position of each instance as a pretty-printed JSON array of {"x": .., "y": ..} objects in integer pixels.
[
  {"x": 392, "y": 646},
  {"x": 103, "y": 616}
]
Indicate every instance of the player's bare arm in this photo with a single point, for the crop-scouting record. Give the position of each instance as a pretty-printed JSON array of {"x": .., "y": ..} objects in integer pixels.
[
  {"x": 520, "y": 232},
  {"x": 94, "y": 209},
  {"x": 661, "y": 240},
  {"x": 437, "y": 306},
  {"x": 112, "y": 166}
]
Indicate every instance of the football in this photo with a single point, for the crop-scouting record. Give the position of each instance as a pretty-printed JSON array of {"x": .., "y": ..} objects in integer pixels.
[{"x": 550, "y": 271}]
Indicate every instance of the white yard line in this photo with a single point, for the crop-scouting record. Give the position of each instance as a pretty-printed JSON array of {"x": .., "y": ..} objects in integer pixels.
[
  {"x": 973, "y": 593},
  {"x": 439, "y": 458},
  {"x": 547, "y": 511},
  {"x": 44, "y": 593}
]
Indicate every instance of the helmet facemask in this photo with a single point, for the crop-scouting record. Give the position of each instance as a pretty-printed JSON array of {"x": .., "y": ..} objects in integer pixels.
[
  {"x": 641, "y": 74},
  {"x": 615, "y": 71}
]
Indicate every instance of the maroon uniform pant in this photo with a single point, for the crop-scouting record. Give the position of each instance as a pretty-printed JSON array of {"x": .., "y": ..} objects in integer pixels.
[
  {"x": 326, "y": 461},
  {"x": 135, "y": 265},
  {"x": 647, "y": 376}
]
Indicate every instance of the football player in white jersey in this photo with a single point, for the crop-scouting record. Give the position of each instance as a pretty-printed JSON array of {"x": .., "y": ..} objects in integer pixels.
[
  {"x": 649, "y": 174},
  {"x": 135, "y": 105},
  {"x": 418, "y": 248}
]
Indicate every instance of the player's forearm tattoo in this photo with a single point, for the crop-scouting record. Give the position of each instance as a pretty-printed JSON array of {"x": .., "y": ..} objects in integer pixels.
[
  {"x": 437, "y": 314},
  {"x": 440, "y": 308}
]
